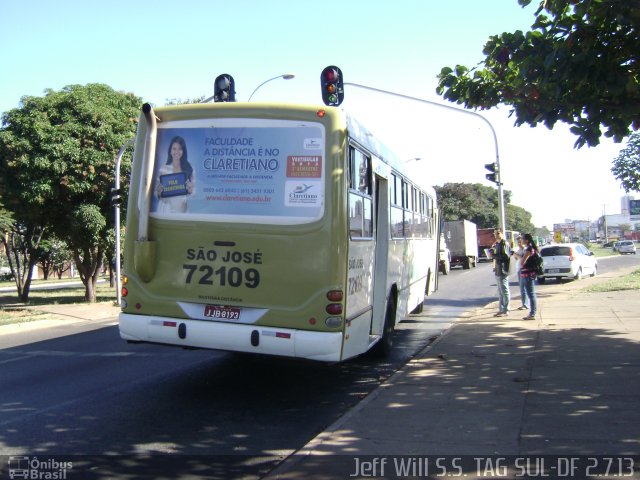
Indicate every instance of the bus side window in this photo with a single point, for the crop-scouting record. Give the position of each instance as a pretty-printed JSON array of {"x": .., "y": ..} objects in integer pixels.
[
  {"x": 360, "y": 208},
  {"x": 395, "y": 193},
  {"x": 408, "y": 216}
]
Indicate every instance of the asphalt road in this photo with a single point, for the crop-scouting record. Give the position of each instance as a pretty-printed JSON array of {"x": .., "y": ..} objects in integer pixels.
[{"x": 221, "y": 415}]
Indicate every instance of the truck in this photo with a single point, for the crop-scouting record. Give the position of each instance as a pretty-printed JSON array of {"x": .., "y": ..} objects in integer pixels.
[
  {"x": 462, "y": 240},
  {"x": 486, "y": 239}
]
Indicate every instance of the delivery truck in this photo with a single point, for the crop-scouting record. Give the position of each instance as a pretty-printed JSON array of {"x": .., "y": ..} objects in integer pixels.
[
  {"x": 462, "y": 240},
  {"x": 486, "y": 239}
]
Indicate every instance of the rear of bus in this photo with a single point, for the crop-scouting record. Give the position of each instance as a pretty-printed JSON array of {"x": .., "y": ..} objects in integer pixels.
[{"x": 235, "y": 230}]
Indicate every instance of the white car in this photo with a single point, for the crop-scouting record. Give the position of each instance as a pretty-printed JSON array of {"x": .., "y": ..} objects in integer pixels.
[
  {"x": 567, "y": 261},
  {"x": 625, "y": 246}
]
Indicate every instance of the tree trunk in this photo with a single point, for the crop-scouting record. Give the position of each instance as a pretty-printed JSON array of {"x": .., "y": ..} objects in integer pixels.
[
  {"x": 112, "y": 277},
  {"x": 20, "y": 245},
  {"x": 89, "y": 264}
]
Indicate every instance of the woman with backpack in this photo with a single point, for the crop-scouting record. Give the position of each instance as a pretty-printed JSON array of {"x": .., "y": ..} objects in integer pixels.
[{"x": 528, "y": 273}]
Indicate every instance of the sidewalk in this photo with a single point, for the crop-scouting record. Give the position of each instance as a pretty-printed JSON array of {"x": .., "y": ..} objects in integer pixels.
[
  {"x": 61, "y": 320},
  {"x": 567, "y": 383}
]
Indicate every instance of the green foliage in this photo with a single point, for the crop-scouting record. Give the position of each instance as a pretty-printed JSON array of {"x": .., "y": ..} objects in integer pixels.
[
  {"x": 179, "y": 101},
  {"x": 542, "y": 232},
  {"x": 626, "y": 166},
  {"x": 59, "y": 150},
  {"x": 57, "y": 163},
  {"x": 53, "y": 256},
  {"x": 624, "y": 228},
  {"x": 479, "y": 204},
  {"x": 626, "y": 282},
  {"x": 519, "y": 219},
  {"x": 578, "y": 65}
]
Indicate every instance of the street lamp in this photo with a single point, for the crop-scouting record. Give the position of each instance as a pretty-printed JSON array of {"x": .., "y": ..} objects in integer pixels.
[
  {"x": 417, "y": 159},
  {"x": 285, "y": 76}
]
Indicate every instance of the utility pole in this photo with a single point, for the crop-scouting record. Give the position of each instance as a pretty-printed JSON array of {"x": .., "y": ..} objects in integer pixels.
[
  {"x": 604, "y": 223},
  {"x": 116, "y": 206}
]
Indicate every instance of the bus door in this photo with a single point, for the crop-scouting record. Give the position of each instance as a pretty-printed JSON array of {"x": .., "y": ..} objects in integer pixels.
[
  {"x": 362, "y": 254},
  {"x": 381, "y": 235}
]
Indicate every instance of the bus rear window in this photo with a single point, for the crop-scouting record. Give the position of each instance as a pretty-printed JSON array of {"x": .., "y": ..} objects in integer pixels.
[{"x": 239, "y": 170}]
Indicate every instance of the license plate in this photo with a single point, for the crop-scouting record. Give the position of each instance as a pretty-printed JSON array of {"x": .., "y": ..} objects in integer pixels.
[
  {"x": 554, "y": 270},
  {"x": 222, "y": 312}
]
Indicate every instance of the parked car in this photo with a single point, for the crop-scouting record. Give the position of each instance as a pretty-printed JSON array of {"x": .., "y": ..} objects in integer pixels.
[
  {"x": 626, "y": 246},
  {"x": 568, "y": 261},
  {"x": 615, "y": 246}
]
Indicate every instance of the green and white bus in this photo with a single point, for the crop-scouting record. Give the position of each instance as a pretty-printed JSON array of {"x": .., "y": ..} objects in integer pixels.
[{"x": 276, "y": 229}]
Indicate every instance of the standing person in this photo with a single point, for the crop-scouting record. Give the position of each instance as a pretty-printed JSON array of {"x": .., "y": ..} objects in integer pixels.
[
  {"x": 519, "y": 254},
  {"x": 528, "y": 273},
  {"x": 501, "y": 260},
  {"x": 177, "y": 162}
]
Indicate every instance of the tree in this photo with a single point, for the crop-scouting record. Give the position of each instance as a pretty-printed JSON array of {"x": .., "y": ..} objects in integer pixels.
[
  {"x": 479, "y": 204},
  {"x": 542, "y": 232},
  {"x": 20, "y": 243},
  {"x": 53, "y": 257},
  {"x": 624, "y": 228},
  {"x": 519, "y": 219},
  {"x": 466, "y": 201},
  {"x": 626, "y": 166},
  {"x": 578, "y": 65},
  {"x": 57, "y": 158}
]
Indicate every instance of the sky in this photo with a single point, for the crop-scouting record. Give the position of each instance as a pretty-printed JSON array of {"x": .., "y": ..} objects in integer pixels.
[{"x": 161, "y": 50}]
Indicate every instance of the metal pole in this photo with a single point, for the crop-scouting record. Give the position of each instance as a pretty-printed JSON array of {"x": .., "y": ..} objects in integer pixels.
[
  {"x": 126, "y": 145},
  {"x": 501, "y": 212},
  {"x": 285, "y": 76}
]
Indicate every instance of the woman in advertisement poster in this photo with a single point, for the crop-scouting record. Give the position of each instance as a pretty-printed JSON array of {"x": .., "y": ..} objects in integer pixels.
[{"x": 177, "y": 162}]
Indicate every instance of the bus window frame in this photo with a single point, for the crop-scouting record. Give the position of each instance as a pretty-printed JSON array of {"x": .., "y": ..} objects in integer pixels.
[{"x": 356, "y": 190}]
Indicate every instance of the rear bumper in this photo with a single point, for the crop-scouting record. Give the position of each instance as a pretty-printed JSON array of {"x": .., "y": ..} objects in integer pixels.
[
  {"x": 320, "y": 346},
  {"x": 558, "y": 273}
]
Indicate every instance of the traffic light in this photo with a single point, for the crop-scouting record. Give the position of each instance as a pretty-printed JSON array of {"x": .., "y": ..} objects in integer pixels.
[
  {"x": 224, "y": 89},
  {"x": 114, "y": 197},
  {"x": 494, "y": 176},
  {"x": 332, "y": 86}
]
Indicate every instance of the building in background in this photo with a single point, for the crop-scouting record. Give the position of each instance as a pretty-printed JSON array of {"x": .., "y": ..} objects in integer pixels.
[
  {"x": 625, "y": 225},
  {"x": 608, "y": 227}
]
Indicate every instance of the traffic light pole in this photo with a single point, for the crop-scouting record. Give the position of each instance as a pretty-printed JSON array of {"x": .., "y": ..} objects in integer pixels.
[
  {"x": 501, "y": 213},
  {"x": 116, "y": 186}
]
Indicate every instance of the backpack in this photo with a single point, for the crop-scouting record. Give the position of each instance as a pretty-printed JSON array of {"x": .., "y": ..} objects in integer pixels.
[{"x": 535, "y": 263}]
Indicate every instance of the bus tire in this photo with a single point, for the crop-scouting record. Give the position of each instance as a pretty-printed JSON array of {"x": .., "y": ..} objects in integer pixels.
[
  {"x": 383, "y": 348},
  {"x": 466, "y": 263}
]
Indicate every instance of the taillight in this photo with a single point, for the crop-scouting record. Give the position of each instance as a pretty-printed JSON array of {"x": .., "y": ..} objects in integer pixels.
[
  {"x": 334, "y": 309},
  {"x": 335, "y": 295},
  {"x": 571, "y": 257},
  {"x": 125, "y": 291}
]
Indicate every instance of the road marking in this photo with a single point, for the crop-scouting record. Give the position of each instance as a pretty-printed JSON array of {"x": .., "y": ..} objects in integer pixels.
[
  {"x": 2, "y": 362},
  {"x": 61, "y": 353}
]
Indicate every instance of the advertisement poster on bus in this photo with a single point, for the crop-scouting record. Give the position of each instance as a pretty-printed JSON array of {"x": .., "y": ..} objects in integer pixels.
[{"x": 239, "y": 173}]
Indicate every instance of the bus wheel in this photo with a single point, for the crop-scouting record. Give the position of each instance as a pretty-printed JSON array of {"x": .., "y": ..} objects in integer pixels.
[{"x": 382, "y": 349}]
